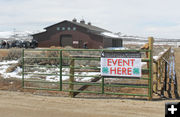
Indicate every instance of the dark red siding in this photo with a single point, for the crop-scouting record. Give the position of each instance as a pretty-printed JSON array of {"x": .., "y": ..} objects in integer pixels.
[
  {"x": 81, "y": 35},
  {"x": 54, "y": 40}
]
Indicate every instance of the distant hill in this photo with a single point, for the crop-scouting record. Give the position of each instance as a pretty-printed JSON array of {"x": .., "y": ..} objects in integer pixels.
[
  {"x": 16, "y": 35},
  {"x": 24, "y": 35},
  {"x": 143, "y": 39}
]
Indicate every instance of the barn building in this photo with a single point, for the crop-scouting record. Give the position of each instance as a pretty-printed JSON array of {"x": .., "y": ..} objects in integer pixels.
[{"x": 77, "y": 35}]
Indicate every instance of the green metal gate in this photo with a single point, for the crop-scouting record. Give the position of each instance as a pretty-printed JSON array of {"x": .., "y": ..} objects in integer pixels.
[{"x": 64, "y": 66}]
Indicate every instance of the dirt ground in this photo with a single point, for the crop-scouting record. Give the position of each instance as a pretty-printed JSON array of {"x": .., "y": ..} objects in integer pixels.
[
  {"x": 3, "y": 52},
  {"x": 19, "y": 104},
  {"x": 177, "y": 67}
]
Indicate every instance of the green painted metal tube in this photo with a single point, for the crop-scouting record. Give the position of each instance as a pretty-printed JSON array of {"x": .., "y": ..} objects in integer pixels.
[
  {"x": 64, "y": 49},
  {"x": 60, "y": 69},
  {"x": 145, "y": 60},
  {"x": 81, "y": 75},
  {"x": 83, "y": 83},
  {"x": 40, "y": 81},
  {"x": 45, "y": 66},
  {"x": 119, "y": 85},
  {"x": 110, "y": 93},
  {"x": 42, "y": 50},
  {"x": 41, "y": 74},
  {"x": 68, "y": 58},
  {"x": 127, "y": 94},
  {"x": 107, "y": 50},
  {"x": 96, "y": 92},
  {"x": 22, "y": 68},
  {"x": 145, "y": 71},
  {"x": 144, "y": 78},
  {"x": 102, "y": 85},
  {"x": 150, "y": 77},
  {"x": 95, "y": 59},
  {"x": 79, "y": 67},
  {"x": 130, "y": 78},
  {"x": 41, "y": 57},
  {"x": 35, "y": 88}
]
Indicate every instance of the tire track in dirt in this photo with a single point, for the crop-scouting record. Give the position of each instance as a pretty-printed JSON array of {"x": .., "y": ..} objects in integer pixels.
[{"x": 19, "y": 104}]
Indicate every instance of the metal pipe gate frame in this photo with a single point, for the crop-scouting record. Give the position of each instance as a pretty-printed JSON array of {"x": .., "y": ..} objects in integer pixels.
[{"x": 148, "y": 71}]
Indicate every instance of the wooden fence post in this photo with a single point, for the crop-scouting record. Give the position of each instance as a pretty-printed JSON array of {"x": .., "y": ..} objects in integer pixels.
[
  {"x": 157, "y": 78},
  {"x": 150, "y": 56},
  {"x": 165, "y": 75},
  {"x": 71, "y": 78},
  {"x": 159, "y": 75}
]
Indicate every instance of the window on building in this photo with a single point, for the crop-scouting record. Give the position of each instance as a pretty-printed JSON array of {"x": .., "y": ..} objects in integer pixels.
[
  {"x": 69, "y": 28},
  {"x": 58, "y": 28},
  {"x": 63, "y": 28},
  {"x": 116, "y": 43},
  {"x": 74, "y": 28}
]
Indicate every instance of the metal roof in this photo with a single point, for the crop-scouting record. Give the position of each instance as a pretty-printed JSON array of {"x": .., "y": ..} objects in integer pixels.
[{"x": 90, "y": 27}]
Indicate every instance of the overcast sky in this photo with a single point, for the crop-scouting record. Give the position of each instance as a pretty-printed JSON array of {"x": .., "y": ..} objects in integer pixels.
[{"x": 158, "y": 18}]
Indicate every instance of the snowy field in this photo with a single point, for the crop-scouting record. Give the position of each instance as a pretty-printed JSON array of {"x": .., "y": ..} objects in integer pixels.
[
  {"x": 173, "y": 44},
  {"x": 4, "y": 65},
  {"x": 17, "y": 73}
]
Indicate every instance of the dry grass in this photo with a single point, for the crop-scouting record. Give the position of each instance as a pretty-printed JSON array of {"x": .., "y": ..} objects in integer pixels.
[
  {"x": 12, "y": 68},
  {"x": 3, "y": 53},
  {"x": 10, "y": 54}
]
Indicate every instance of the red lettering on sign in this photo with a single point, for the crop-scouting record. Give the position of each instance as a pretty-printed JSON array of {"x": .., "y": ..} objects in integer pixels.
[
  {"x": 114, "y": 62},
  {"x": 123, "y": 71},
  {"x": 132, "y": 61},
  {"x": 108, "y": 62},
  {"x": 119, "y": 62},
  {"x": 125, "y": 62},
  {"x": 113, "y": 70},
  {"x": 129, "y": 71},
  {"x": 119, "y": 70}
]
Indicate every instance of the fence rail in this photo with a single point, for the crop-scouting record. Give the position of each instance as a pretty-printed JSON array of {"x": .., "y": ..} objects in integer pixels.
[{"x": 162, "y": 81}]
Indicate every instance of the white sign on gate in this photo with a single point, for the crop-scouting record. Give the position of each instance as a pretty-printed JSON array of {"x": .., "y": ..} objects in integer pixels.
[{"x": 122, "y": 67}]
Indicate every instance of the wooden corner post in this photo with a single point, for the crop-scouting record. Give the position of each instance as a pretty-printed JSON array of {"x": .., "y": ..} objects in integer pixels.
[
  {"x": 71, "y": 78},
  {"x": 150, "y": 56}
]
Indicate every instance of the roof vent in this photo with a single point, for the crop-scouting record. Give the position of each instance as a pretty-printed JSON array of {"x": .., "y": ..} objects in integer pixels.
[
  {"x": 82, "y": 21},
  {"x": 74, "y": 20},
  {"x": 89, "y": 23}
]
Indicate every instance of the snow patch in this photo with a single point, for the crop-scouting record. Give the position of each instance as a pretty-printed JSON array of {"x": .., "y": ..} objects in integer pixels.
[
  {"x": 143, "y": 63},
  {"x": 155, "y": 57},
  {"x": 8, "y": 62},
  {"x": 17, "y": 73},
  {"x": 117, "y": 48},
  {"x": 4, "y": 66},
  {"x": 6, "y": 34},
  {"x": 110, "y": 34}
]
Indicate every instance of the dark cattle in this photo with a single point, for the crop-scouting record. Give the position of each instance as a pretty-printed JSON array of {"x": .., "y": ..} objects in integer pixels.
[
  {"x": 0, "y": 44},
  {"x": 18, "y": 44},
  {"x": 34, "y": 44},
  {"x": 3, "y": 44},
  {"x": 13, "y": 44},
  {"x": 7, "y": 45},
  {"x": 26, "y": 44}
]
